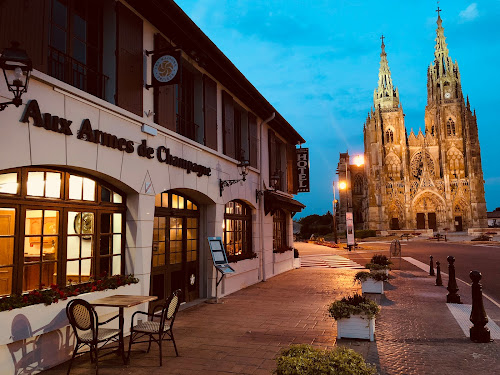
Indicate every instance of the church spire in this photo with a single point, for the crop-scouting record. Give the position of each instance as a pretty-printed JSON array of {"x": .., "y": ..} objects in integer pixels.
[
  {"x": 442, "y": 60},
  {"x": 385, "y": 95}
]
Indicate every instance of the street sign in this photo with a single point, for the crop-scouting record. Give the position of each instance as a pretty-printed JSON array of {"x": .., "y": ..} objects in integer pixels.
[{"x": 350, "y": 229}]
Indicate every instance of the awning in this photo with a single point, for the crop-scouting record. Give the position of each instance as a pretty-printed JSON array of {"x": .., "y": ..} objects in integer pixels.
[{"x": 274, "y": 201}]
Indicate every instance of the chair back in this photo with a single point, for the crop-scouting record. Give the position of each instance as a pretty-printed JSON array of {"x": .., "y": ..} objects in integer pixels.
[
  {"x": 170, "y": 308},
  {"x": 82, "y": 316}
]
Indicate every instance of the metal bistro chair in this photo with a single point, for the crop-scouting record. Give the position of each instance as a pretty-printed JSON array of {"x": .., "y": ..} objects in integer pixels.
[
  {"x": 156, "y": 330},
  {"x": 85, "y": 322}
]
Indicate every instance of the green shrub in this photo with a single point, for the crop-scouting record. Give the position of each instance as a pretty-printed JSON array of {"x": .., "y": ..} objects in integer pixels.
[
  {"x": 381, "y": 260},
  {"x": 377, "y": 276},
  {"x": 306, "y": 360},
  {"x": 353, "y": 305},
  {"x": 364, "y": 233},
  {"x": 295, "y": 253},
  {"x": 376, "y": 267}
]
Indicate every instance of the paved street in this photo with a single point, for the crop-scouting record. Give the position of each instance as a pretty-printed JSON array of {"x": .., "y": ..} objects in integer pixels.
[{"x": 415, "y": 333}]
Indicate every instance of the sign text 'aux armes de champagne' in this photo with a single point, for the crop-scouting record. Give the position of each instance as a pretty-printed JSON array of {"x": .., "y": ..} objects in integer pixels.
[
  {"x": 303, "y": 169},
  {"x": 87, "y": 133}
]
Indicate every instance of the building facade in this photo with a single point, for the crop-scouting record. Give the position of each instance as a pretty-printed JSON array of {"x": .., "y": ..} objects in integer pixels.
[
  {"x": 101, "y": 173},
  {"x": 431, "y": 180}
]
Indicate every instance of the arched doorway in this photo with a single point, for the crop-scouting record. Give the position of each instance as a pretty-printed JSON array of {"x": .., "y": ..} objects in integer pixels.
[
  {"x": 175, "y": 257},
  {"x": 429, "y": 212}
]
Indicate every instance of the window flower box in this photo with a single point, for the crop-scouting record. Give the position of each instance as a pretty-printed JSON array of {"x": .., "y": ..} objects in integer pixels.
[{"x": 356, "y": 327}]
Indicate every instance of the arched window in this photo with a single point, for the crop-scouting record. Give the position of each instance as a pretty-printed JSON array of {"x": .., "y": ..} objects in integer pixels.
[
  {"x": 389, "y": 136},
  {"x": 279, "y": 230},
  {"x": 57, "y": 227},
  {"x": 238, "y": 231},
  {"x": 450, "y": 127},
  {"x": 358, "y": 184}
]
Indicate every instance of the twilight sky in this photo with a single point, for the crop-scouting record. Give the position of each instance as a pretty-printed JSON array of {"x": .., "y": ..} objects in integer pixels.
[{"x": 317, "y": 63}]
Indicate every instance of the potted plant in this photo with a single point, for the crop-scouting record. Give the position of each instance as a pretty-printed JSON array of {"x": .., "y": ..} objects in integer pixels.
[
  {"x": 379, "y": 263},
  {"x": 355, "y": 316},
  {"x": 307, "y": 360},
  {"x": 371, "y": 282}
]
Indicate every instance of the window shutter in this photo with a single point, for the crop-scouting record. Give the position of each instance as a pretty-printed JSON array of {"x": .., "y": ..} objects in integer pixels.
[
  {"x": 254, "y": 142},
  {"x": 26, "y": 22},
  {"x": 164, "y": 96},
  {"x": 210, "y": 108},
  {"x": 228, "y": 124},
  {"x": 129, "y": 80},
  {"x": 291, "y": 169},
  {"x": 271, "y": 141}
]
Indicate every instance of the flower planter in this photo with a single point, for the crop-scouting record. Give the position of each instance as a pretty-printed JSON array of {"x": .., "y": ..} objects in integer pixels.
[
  {"x": 372, "y": 286},
  {"x": 356, "y": 327},
  {"x": 296, "y": 262}
]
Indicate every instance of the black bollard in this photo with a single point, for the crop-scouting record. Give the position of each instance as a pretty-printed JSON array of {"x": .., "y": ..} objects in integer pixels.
[
  {"x": 452, "y": 296},
  {"x": 439, "y": 281},
  {"x": 478, "y": 332},
  {"x": 431, "y": 265}
]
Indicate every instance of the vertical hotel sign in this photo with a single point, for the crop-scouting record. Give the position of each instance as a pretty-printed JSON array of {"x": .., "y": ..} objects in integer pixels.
[{"x": 302, "y": 170}]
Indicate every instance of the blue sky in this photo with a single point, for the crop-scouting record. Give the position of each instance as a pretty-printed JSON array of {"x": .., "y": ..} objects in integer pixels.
[{"x": 317, "y": 62}]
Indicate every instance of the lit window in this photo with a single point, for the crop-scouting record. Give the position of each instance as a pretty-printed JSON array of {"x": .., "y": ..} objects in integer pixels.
[
  {"x": 238, "y": 231},
  {"x": 8, "y": 183}
]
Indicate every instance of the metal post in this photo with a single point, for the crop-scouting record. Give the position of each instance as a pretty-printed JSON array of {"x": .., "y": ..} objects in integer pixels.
[
  {"x": 334, "y": 215},
  {"x": 439, "y": 280},
  {"x": 431, "y": 266},
  {"x": 478, "y": 333},
  {"x": 452, "y": 296}
]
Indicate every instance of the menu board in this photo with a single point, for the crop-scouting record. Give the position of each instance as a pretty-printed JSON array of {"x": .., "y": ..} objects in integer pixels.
[{"x": 219, "y": 255}]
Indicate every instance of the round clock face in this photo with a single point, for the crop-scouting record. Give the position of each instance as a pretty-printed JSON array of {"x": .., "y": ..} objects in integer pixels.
[
  {"x": 447, "y": 95},
  {"x": 165, "y": 68}
]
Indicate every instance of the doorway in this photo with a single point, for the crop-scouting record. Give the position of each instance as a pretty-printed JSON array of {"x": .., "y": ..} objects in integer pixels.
[
  {"x": 175, "y": 256},
  {"x": 458, "y": 224},
  {"x": 431, "y": 217},
  {"x": 394, "y": 223},
  {"x": 420, "y": 220}
]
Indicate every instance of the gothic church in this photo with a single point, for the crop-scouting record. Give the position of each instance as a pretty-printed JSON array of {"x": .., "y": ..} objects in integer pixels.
[{"x": 432, "y": 180}]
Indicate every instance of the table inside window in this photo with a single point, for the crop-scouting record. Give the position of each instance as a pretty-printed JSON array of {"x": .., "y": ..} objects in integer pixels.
[{"x": 122, "y": 301}]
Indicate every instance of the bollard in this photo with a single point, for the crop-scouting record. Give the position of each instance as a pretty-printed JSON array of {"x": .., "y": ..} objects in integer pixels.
[
  {"x": 452, "y": 296},
  {"x": 439, "y": 281},
  {"x": 431, "y": 265},
  {"x": 478, "y": 332}
]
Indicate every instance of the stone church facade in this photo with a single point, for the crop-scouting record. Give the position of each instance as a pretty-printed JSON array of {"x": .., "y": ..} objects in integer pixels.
[{"x": 431, "y": 180}]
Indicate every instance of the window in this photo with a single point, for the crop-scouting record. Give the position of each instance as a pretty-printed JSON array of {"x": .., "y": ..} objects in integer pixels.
[
  {"x": 279, "y": 230},
  {"x": 238, "y": 231},
  {"x": 276, "y": 149},
  {"x": 358, "y": 184},
  {"x": 49, "y": 233},
  {"x": 389, "y": 136},
  {"x": 75, "y": 44},
  {"x": 189, "y": 108},
  {"x": 450, "y": 127}
]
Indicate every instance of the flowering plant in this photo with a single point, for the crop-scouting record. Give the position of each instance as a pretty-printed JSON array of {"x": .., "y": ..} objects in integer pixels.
[{"x": 55, "y": 292}]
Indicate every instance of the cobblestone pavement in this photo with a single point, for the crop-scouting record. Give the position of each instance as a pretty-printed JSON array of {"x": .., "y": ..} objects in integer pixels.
[{"x": 415, "y": 333}]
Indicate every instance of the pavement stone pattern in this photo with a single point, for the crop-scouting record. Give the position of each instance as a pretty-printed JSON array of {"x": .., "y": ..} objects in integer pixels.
[{"x": 415, "y": 333}]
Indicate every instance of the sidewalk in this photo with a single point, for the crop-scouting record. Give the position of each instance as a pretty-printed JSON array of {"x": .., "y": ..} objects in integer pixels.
[{"x": 415, "y": 333}]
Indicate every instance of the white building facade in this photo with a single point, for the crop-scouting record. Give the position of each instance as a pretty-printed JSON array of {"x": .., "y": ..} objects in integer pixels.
[{"x": 100, "y": 174}]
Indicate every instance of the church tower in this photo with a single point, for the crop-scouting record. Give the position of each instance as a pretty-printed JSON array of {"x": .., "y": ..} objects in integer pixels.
[
  {"x": 425, "y": 181},
  {"x": 385, "y": 153}
]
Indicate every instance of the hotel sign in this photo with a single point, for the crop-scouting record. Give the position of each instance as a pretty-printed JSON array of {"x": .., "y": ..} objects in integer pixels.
[
  {"x": 302, "y": 170},
  {"x": 87, "y": 133}
]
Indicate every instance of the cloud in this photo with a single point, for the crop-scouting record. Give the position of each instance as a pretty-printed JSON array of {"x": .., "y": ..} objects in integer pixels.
[{"x": 469, "y": 14}]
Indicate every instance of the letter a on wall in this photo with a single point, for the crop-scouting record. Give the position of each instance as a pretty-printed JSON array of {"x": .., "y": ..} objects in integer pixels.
[{"x": 302, "y": 170}]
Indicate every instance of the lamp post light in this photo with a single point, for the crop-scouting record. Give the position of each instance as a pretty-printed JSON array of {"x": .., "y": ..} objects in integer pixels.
[
  {"x": 242, "y": 170},
  {"x": 16, "y": 66}
]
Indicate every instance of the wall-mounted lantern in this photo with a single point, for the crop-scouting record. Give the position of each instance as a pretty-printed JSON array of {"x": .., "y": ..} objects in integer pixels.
[
  {"x": 273, "y": 182},
  {"x": 242, "y": 170},
  {"x": 17, "y": 67}
]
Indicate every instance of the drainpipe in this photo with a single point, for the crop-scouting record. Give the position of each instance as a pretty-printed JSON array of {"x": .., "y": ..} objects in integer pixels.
[{"x": 261, "y": 200}]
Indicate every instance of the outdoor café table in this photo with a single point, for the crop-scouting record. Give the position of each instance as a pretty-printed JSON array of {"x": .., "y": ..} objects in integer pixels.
[{"x": 122, "y": 301}]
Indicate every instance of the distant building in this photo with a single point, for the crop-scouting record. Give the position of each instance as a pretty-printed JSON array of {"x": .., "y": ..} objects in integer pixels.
[
  {"x": 494, "y": 218},
  {"x": 431, "y": 180}
]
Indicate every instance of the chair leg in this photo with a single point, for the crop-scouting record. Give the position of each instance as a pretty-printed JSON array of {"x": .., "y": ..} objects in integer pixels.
[
  {"x": 131, "y": 338},
  {"x": 149, "y": 346},
  {"x": 73, "y": 357},
  {"x": 161, "y": 355},
  {"x": 173, "y": 340},
  {"x": 96, "y": 360}
]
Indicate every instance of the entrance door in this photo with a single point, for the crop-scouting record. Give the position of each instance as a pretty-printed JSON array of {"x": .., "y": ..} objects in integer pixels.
[
  {"x": 175, "y": 248},
  {"x": 458, "y": 223},
  {"x": 395, "y": 223},
  {"x": 431, "y": 216},
  {"x": 420, "y": 220}
]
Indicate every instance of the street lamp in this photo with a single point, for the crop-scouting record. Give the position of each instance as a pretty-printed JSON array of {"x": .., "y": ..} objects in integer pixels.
[
  {"x": 334, "y": 211},
  {"x": 17, "y": 67}
]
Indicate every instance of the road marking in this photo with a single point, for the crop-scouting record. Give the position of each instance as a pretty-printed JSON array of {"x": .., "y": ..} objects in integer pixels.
[
  {"x": 461, "y": 313},
  {"x": 328, "y": 261},
  {"x": 484, "y": 245},
  {"x": 426, "y": 267}
]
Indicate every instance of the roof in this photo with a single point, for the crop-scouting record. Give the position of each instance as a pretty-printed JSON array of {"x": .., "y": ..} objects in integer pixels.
[{"x": 171, "y": 20}]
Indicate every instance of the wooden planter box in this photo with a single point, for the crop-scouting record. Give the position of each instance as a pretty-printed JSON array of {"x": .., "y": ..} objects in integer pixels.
[
  {"x": 356, "y": 327},
  {"x": 372, "y": 286}
]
